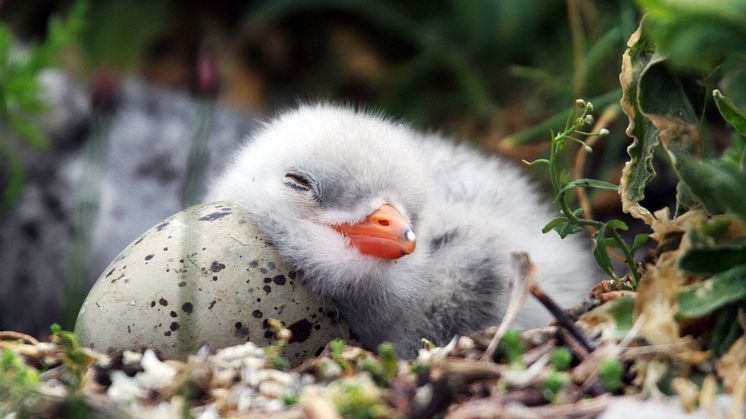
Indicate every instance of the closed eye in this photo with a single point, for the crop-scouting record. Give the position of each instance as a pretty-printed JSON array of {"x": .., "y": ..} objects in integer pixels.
[{"x": 298, "y": 182}]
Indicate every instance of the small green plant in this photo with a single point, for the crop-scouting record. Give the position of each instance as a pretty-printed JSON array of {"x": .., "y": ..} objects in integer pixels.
[
  {"x": 561, "y": 358},
  {"x": 337, "y": 346},
  {"x": 18, "y": 382},
  {"x": 610, "y": 375},
  {"x": 512, "y": 347},
  {"x": 291, "y": 399},
  {"x": 274, "y": 352},
  {"x": 357, "y": 398},
  {"x": 76, "y": 359},
  {"x": 604, "y": 234},
  {"x": 389, "y": 362},
  {"x": 554, "y": 382}
]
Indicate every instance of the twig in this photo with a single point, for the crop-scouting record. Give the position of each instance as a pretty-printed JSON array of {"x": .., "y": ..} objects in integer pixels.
[
  {"x": 520, "y": 283},
  {"x": 490, "y": 407},
  {"x": 572, "y": 343},
  {"x": 461, "y": 372},
  {"x": 11, "y": 335},
  {"x": 563, "y": 319},
  {"x": 318, "y": 408}
]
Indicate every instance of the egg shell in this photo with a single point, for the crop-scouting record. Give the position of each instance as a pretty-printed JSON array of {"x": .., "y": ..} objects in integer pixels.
[{"x": 204, "y": 276}]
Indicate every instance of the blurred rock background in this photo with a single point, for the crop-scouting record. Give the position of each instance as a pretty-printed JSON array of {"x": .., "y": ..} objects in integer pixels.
[{"x": 142, "y": 81}]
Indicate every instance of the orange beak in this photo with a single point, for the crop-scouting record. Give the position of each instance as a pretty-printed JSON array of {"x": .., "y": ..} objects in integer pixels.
[{"x": 385, "y": 234}]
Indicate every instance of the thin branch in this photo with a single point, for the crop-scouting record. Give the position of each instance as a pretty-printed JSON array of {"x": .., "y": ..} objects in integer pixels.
[
  {"x": 520, "y": 283},
  {"x": 563, "y": 319}
]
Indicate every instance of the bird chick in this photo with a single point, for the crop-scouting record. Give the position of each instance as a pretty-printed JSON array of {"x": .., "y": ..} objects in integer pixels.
[{"x": 408, "y": 233}]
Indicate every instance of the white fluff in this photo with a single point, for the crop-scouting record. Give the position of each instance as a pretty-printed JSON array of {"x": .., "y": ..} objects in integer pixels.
[{"x": 469, "y": 212}]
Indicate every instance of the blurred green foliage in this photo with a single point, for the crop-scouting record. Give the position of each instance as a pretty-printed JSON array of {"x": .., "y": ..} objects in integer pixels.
[
  {"x": 697, "y": 35},
  {"x": 20, "y": 92}
]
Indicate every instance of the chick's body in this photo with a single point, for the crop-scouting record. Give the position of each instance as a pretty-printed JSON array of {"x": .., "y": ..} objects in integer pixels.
[{"x": 318, "y": 167}]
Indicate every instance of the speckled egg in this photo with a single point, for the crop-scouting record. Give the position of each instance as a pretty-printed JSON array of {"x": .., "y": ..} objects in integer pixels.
[{"x": 204, "y": 276}]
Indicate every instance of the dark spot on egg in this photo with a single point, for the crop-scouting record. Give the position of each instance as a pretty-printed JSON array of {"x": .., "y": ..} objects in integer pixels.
[
  {"x": 269, "y": 334},
  {"x": 110, "y": 272},
  {"x": 267, "y": 280},
  {"x": 165, "y": 249},
  {"x": 152, "y": 303},
  {"x": 301, "y": 330},
  {"x": 161, "y": 226},
  {"x": 279, "y": 280},
  {"x": 258, "y": 300},
  {"x": 267, "y": 289},
  {"x": 139, "y": 240},
  {"x": 163, "y": 301},
  {"x": 331, "y": 314},
  {"x": 173, "y": 313},
  {"x": 167, "y": 333},
  {"x": 254, "y": 264},
  {"x": 214, "y": 278},
  {"x": 257, "y": 314},
  {"x": 187, "y": 307},
  {"x": 292, "y": 274},
  {"x": 217, "y": 266},
  {"x": 317, "y": 326},
  {"x": 182, "y": 284},
  {"x": 148, "y": 257},
  {"x": 263, "y": 270},
  {"x": 212, "y": 304},
  {"x": 216, "y": 215},
  {"x": 240, "y": 330},
  {"x": 174, "y": 326},
  {"x": 271, "y": 265}
]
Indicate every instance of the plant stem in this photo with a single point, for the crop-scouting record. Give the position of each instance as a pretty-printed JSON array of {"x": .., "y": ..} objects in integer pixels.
[{"x": 628, "y": 256}]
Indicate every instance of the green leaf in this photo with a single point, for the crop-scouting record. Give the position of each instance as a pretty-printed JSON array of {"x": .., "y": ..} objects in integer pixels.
[
  {"x": 617, "y": 225},
  {"x": 730, "y": 112},
  {"x": 706, "y": 297},
  {"x": 568, "y": 229},
  {"x": 587, "y": 183},
  {"x": 717, "y": 185},
  {"x": 710, "y": 259},
  {"x": 726, "y": 330},
  {"x": 639, "y": 170},
  {"x": 536, "y": 162},
  {"x": 553, "y": 224},
  {"x": 600, "y": 252},
  {"x": 661, "y": 109},
  {"x": 29, "y": 131},
  {"x": 640, "y": 240}
]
